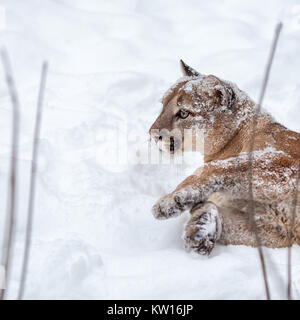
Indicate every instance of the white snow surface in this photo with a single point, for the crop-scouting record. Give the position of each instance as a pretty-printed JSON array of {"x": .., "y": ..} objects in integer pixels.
[{"x": 94, "y": 236}]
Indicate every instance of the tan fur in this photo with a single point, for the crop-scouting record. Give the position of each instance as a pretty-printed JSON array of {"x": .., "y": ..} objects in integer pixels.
[{"x": 225, "y": 114}]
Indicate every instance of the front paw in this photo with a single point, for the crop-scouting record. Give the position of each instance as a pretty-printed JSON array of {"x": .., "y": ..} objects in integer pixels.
[
  {"x": 172, "y": 205},
  {"x": 203, "y": 230},
  {"x": 167, "y": 207}
]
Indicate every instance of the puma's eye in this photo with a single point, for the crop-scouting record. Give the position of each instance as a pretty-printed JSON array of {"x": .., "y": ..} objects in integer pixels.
[{"x": 183, "y": 113}]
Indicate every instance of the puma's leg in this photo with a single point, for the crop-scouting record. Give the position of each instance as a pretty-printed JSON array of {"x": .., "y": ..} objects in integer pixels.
[
  {"x": 210, "y": 224},
  {"x": 271, "y": 225},
  {"x": 296, "y": 233},
  {"x": 236, "y": 228},
  {"x": 203, "y": 229}
]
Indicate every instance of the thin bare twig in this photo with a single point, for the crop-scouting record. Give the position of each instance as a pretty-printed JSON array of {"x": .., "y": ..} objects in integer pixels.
[
  {"x": 250, "y": 159},
  {"x": 35, "y": 152},
  {"x": 290, "y": 234},
  {"x": 12, "y": 190}
]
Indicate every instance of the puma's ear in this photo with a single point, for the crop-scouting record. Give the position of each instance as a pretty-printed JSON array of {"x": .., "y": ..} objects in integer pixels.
[
  {"x": 231, "y": 98},
  {"x": 225, "y": 95},
  {"x": 223, "y": 92},
  {"x": 187, "y": 70}
]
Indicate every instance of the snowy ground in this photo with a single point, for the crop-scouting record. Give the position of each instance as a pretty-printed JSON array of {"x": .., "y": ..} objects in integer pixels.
[{"x": 110, "y": 62}]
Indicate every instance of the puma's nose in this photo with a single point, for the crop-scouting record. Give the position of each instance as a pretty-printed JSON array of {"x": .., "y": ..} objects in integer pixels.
[{"x": 155, "y": 136}]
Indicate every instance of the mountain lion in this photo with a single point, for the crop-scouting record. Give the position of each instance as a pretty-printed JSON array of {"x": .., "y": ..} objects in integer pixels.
[{"x": 217, "y": 193}]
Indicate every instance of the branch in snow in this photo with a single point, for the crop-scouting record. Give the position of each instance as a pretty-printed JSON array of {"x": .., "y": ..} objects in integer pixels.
[
  {"x": 250, "y": 159},
  {"x": 35, "y": 152},
  {"x": 12, "y": 193}
]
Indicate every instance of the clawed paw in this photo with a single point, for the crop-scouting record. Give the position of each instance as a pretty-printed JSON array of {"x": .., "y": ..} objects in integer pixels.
[
  {"x": 201, "y": 233},
  {"x": 168, "y": 206}
]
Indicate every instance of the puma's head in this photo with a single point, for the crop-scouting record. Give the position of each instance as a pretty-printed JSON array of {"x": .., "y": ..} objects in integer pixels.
[{"x": 204, "y": 104}]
